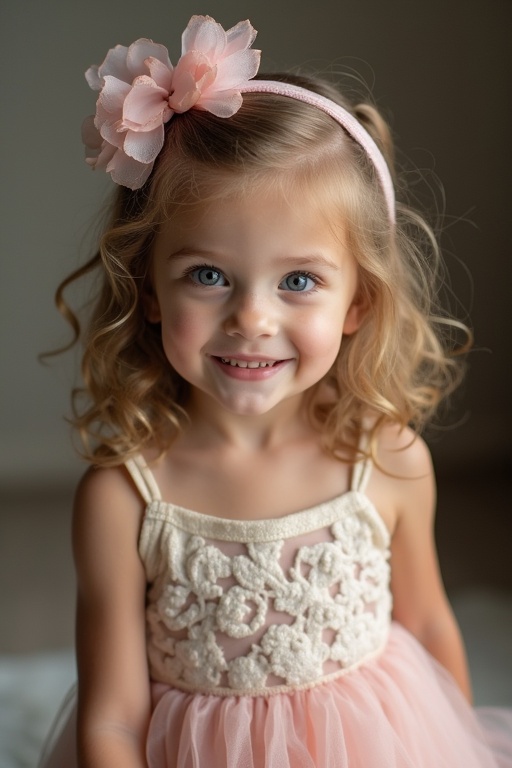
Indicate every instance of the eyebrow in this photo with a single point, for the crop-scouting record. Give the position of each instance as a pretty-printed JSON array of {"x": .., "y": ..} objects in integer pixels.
[
  {"x": 311, "y": 260},
  {"x": 314, "y": 259}
]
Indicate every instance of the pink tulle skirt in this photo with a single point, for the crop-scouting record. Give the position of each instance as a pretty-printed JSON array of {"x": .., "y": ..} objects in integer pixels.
[{"x": 399, "y": 710}]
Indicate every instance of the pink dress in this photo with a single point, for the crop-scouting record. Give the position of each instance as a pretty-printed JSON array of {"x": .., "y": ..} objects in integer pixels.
[{"x": 271, "y": 645}]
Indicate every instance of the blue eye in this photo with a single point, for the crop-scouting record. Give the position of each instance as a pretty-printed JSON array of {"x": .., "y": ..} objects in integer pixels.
[
  {"x": 208, "y": 276},
  {"x": 299, "y": 282}
]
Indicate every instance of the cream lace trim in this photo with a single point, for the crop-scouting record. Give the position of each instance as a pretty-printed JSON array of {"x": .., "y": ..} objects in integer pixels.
[{"x": 266, "y": 530}]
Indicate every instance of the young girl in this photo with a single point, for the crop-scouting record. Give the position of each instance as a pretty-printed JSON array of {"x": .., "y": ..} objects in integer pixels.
[{"x": 257, "y": 578}]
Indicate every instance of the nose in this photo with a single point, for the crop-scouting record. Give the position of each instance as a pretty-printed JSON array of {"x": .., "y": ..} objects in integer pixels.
[{"x": 251, "y": 315}]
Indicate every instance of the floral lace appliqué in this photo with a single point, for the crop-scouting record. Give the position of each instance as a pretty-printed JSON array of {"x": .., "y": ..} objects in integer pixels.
[{"x": 324, "y": 612}]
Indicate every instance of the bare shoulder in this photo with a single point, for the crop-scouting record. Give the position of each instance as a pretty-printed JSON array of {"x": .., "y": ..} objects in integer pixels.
[
  {"x": 403, "y": 453},
  {"x": 103, "y": 491},
  {"x": 104, "y": 484},
  {"x": 403, "y": 476},
  {"x": 107, "y": 516}
]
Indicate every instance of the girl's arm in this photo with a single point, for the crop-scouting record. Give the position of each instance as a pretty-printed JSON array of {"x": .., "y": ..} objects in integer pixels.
[
  {"x": 419, "y": 599},
  {"x": 114, "y": 694}
]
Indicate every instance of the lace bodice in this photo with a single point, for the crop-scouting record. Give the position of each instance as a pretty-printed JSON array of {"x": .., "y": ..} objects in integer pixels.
[{"x": 262, "y": 606}]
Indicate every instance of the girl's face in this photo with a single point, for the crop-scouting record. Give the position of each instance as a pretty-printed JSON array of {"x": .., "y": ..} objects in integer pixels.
[{"x": 253, "y": 296}]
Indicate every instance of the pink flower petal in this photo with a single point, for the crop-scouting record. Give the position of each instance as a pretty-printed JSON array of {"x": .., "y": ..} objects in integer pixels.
[
  {"x": 93, "y": 79},
  {"x": 228, "y": 59},
  {"x": 103, "y": 157},
  {"x": 160, "y": 73},
  {"x": 204, "y": 34},
  {"x": 221, "y": 104},
  {"x": 186, "y": 93},
  {"x": 110, "y": 125},
  {"x": 144, "y": 49},
  {"x": 237, "y": 69},
  {"x": 239, "y": 37},
  {"x": 146, "y": 106},
  {"x": 115, "y": 64},
  {"x": 127, "y": 171},
  {"x": 103, "y": 116},
  {"x": 194, "y": 63},
  {"x": 192, "y": 75},
  {"x": 113, "y": 94},
  {"x": 113, "y": 131},
  {"x": 144, "y": 147}
]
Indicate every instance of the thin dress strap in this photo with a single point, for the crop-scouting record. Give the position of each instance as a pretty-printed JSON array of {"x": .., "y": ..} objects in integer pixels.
[
  {"x": 143, "y": 479},
  {"x": 362, "y": 469}
]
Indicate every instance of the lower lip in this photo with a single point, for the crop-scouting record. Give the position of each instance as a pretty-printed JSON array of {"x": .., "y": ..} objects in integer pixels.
[{"x": 249, "y": 374}]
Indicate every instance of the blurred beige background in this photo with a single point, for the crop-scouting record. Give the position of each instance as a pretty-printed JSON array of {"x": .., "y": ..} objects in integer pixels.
[{"x": 440, "y": 71}]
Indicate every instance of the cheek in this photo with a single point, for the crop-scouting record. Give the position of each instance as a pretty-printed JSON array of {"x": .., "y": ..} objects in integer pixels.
[
  {"x": 182, "y": 333},
  {"x": 320, "y": 337}
]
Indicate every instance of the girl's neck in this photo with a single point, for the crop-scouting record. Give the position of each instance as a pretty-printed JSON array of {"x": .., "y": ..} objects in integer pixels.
[
  {"x": 214, "y": 427},
  {"x": 248, "y": 467}
]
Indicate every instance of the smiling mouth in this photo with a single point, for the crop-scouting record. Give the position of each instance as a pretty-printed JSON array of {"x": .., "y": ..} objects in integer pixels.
[{"x": 235, "y": 363}]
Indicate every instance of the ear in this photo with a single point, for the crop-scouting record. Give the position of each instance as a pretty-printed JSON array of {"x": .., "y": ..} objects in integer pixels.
[
  {"x": 150, "y": 304},
  {"x": 355, "y": 315}
]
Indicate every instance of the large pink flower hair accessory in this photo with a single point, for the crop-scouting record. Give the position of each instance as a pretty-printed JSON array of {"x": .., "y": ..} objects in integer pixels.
[{"x": 140, "y": 91}]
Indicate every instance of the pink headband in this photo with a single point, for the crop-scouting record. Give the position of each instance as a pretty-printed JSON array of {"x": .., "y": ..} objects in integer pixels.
[
  {"x": 352, "y": 126},
  {"x": 140, "y": 91}
]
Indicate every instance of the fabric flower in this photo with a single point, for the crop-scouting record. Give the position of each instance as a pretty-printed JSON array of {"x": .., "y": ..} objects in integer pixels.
[
  {"x": 292, "y": 654},
  {"x": 248, "y": 672},
  {"x": 140, "y": 91},
  {"x": 241, "y": 612}
]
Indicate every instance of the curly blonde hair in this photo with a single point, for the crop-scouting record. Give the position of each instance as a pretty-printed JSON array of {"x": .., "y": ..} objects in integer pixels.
[{"x": 397, "y": 367}]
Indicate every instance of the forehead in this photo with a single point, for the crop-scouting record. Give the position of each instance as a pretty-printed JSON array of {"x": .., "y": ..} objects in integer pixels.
[
  {"x": 271, "y": 211},
  {"x": 268, "y": 201}
]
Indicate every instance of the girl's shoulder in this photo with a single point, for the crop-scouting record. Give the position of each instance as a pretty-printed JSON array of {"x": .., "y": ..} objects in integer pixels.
[
  {"x": 402, "y": 482},
  {"x": 106, "y": 500},
  {"x": 402, "y": 453},
  {"x": 106, "y": 484},
  {"x": 107, "y": 516}
]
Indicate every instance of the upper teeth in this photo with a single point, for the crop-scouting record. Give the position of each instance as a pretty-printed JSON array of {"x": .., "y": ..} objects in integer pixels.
[{"x": 246, "y": 363}]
